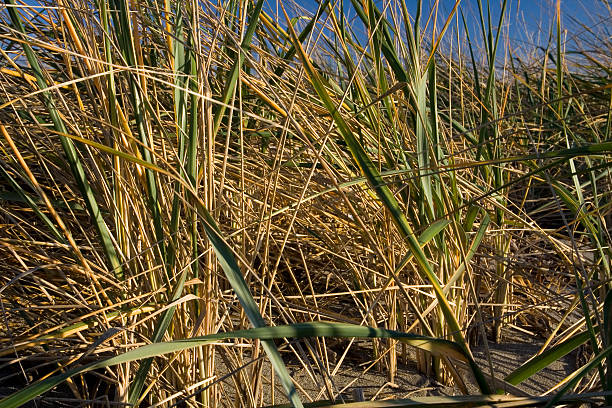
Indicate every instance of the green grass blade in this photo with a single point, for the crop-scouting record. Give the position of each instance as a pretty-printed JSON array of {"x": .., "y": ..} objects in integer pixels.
[
  {"x": 607, "y": 337},
  {"x": 232, "y": 77},
  {"x": 387, "y": 45},
  {"x": 288, "y": 56},
  {"x": 23, "y": 195},
  {"x": 433, "y": 230},
  {"x": 265, "y": 334},
  {"x": 541, "y": 361},
  {"x": 180, "y": 112},
  {"x": 456, "y": 401},
  {"x": 125, "y": 34},
  {"x": 578, "y": 375}
]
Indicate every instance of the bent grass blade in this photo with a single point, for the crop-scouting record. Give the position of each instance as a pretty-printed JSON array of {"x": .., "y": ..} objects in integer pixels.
[{"x": 265, "y": 334}]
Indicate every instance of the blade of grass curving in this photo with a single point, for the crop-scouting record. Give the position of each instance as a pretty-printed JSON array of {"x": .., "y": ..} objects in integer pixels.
[
  {"x": 370, "y": 171},
  {"x": 265, "y": 334},
  {"x": 541, "y": 361},
  {"x": 482, "y": 229},
  {"x": 69, "y": 149}
]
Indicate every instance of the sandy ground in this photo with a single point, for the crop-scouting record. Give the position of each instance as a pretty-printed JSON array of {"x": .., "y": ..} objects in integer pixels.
[{"x": 351, "y": 382}]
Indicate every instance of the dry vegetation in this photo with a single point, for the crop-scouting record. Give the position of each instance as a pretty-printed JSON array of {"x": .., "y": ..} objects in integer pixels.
[{"x": 175, "y": 169}]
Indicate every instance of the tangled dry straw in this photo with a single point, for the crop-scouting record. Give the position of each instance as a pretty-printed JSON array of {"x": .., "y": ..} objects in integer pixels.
[{"x": 179, "y": 169}]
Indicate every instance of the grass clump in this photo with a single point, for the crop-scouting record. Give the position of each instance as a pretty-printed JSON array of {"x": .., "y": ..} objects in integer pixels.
[{"x": 183, "y": 182}]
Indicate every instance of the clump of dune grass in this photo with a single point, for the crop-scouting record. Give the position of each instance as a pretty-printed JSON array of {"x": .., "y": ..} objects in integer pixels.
[{"x": 189, "y": 189}]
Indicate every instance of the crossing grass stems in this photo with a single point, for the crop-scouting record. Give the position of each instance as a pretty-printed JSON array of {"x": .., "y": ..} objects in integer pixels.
[{"x": 184, "y": 184}]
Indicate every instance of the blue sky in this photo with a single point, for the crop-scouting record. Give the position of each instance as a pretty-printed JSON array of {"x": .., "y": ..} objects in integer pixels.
[
  {"x": 533, "y": 12},
  {"x": 528, "y": 21}
]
